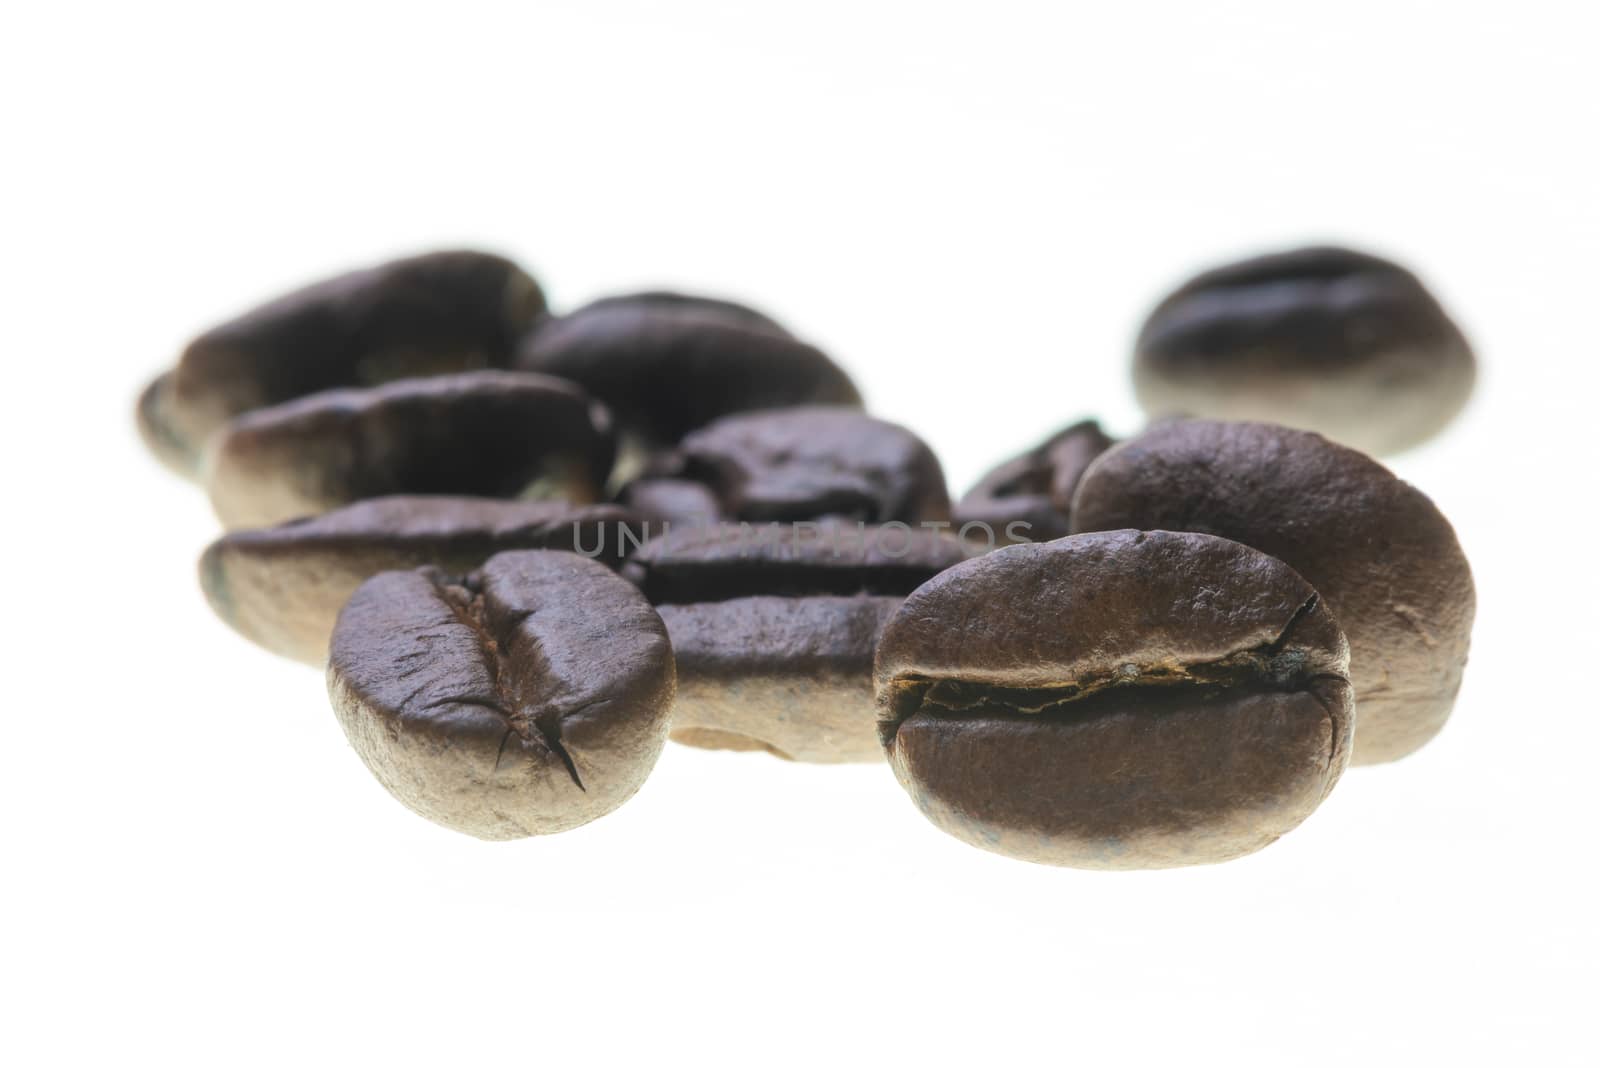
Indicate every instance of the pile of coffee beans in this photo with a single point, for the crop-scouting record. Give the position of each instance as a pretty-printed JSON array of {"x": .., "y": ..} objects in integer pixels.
[{"x": 528, "y": 548}]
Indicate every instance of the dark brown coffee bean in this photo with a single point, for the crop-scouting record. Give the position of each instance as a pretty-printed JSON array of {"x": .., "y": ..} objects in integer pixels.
[
  {"x": 799, "y": 464},
  {"x": 1322, "y": 338},
  {"x": 667, "y": 302},
  {"x": 667, "y": 363},
  {"x": 432, "y": 314},
  {"x": 482, "y": 433},
  {"x": 774, "y": 629},
  {"x": 1027, "y": 498},
  {"x": 528, "y": 698},
  {"x": 282, "y": 586},
  {"x": 1376, "y": 548},
  {"x": 1118, "y": 700},
  {"x": 670, "y": 502}
]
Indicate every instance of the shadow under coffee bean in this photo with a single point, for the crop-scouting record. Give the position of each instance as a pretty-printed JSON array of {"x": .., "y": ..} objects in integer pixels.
[
  {"x": 1327, "y": 339},
  {"x": 1375, "y": 547},
  {"x": 529, "y": 697},
  {"x": 795, "y": 465},
  {"x": 1116, "y": 700},
  {"x": 282, "y": 586},
  {"x": 774, "y": 629},
  {"x": 432, "y": 314},
  {"x": 483, "y": 433}
]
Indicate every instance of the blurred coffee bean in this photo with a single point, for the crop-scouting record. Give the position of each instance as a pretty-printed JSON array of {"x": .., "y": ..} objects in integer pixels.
[
  {"x": 1326, "y": 339},
  {"x": 282, "y": 586},
  {"x": 1027, "y": 498},
  {"x": 1117, "y": 700},
  {"x": 774, "y": 629},
  {"x": 424, "y": 315},
  {"x": 158, "y": 432},
  {"x": 797, "y": 464},
  {"x": 481, "y": 433},
  {"x": 667, "y": 363},
  {"x": 670, "y": 502},
  {"x": 527, "y": 698},
  {"x": 1387, "y": 563}
]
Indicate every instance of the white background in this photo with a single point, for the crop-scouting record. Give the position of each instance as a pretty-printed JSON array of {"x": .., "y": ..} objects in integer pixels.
[{"x": 971, "y": 206}]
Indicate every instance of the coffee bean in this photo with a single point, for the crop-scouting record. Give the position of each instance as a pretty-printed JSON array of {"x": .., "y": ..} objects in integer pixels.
[
  {"x": 1322, "y": 338},
  {"x": 528, "y": 698},
  {"x": 480, "y": 433},
  {"x": 1376, "y": 548},
  {"x": 774, "y": 629},
  {"x": 282, "y": 586},
  {"x": 432, "y": 314},
  {"x": 1117, "y": 700},
  {"x": 665, "y": 302},
  {"x": 670, "y": 502},
  {"x": 797, "y": 464},
  {"x": 1030, "y": 495},
  {"x": 667, "y": 363},
  {"x": 158, "y": 430}
]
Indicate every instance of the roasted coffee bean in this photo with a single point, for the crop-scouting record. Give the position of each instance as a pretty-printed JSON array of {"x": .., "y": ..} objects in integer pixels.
[
  {"x": 1117, "y": 700},
  {"x": 1321, "y": 338},
  {"x": 158, "y": 428},
  {"x": 798, "y": 464},
  {"x": 282, "y": 586},
  {"x": 774, "y": 629},
  {"x": 670, "y": 502},
  {"x": 667, "y": 363},
  {"x": 432, "y": 314},
  {"x": 529, "y": 697},
  {"x": 1027, "y": 498},
  {"x": 481, "y": 433},
  {"x": 1376, "y": 548}
]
